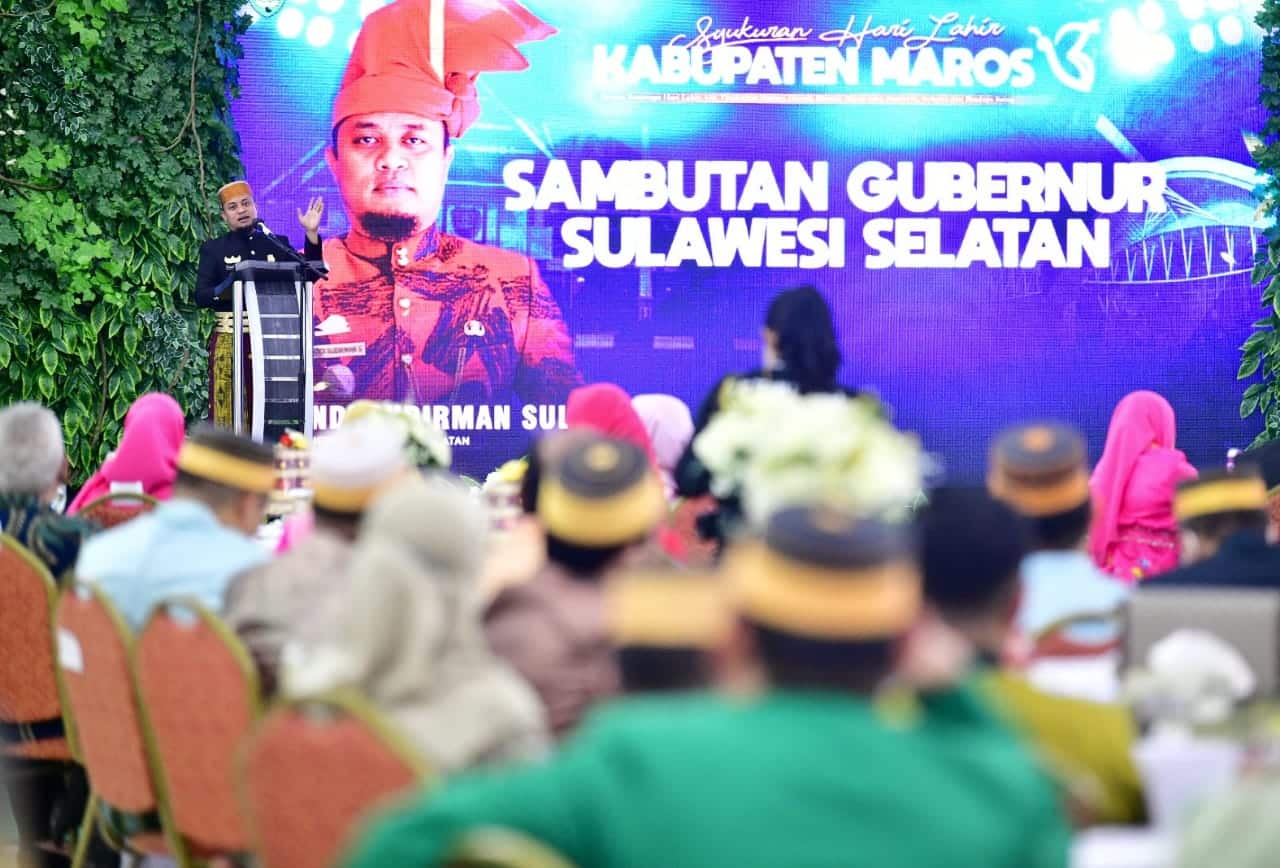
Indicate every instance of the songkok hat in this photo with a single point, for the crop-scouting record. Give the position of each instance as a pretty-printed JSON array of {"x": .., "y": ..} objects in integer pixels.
[
  {"x": 1267, "y": 459},
  {"x": 234, "y": 190},
  {"x": 600, "y": 493},
  {"x": 1217, "y": 492},
  {"x": 222, "y": 457},
  {"x": 1039, "y": 469},
  {"x": 354, "y": 464},
  {"x": 822, "y": 573},
  {"x": 667, "y": 609},
  {"x": 413, "y": 57}
]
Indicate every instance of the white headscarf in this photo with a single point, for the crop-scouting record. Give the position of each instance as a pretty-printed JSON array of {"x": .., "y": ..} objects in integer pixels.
[
  {"x": 413, "y": 641},
  {"x": 670, "y": 427}
]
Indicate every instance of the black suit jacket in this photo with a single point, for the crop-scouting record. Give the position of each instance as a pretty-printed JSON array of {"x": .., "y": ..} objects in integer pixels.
[
  {"x": 1244, "y": 560},
  {"x": 219, "y": 256}
]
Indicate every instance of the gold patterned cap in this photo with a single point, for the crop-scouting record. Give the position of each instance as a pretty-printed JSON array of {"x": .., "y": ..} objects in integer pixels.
[
  {"x": 667, "y": 609},
  {"x": 824, "y": 574},
  {"x": 353, "y": 464},
  {"x": 1214, "y": 493},
  {"x": 206, "y": 461},
  {"x": 601, "y": 493},
  {"x": 234, "y": 190},
  {"x": 1039, "y": 469}
]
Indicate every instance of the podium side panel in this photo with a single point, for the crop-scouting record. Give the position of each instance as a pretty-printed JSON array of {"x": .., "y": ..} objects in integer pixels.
[{"x": 258, "y": 354}]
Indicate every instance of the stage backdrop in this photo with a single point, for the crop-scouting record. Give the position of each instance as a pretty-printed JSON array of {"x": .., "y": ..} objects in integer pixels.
[{"x": 1015, "y": 209}]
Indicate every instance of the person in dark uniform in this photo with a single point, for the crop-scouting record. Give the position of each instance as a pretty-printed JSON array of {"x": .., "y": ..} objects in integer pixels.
[
  {"x": 1227, "y": 539},
  {"x": 799, "y": 349},
  {"x": 218, "y": 259}
]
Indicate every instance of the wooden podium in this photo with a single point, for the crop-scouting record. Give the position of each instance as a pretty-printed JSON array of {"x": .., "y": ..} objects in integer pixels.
[{"x": 276, "y": 299}]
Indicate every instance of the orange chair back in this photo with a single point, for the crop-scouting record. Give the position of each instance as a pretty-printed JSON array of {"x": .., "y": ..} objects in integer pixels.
[
  {"x": 199, "y": 695},
  {"x": 111, "y": 510},
  {"x": 1056, "y": 640},
  {"x": 313, "y": 769},
  {"x": 94, "y": 659},
  {"x": 28, "y": 675}
]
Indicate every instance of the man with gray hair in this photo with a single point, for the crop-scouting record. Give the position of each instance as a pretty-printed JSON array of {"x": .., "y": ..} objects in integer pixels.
[{"x": 33, "y": 467}]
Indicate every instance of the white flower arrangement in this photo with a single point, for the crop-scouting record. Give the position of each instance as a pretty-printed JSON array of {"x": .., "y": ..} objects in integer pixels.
[
  {"x": 425, "y": 445},
  {"x": 773, "y": 447},
  {"x": 1191, "y": 679}
]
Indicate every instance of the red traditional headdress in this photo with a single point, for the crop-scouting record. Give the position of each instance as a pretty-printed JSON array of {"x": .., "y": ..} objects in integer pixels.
[{"x": 393, "y": 67}]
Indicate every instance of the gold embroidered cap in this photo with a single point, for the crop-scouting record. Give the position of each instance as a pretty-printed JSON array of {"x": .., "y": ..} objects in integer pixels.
[
  {"x": 234, "y": 190},
  {"x": 1217, "y": 492},
  {"x": 353, "y": 464},
  {"x": 600, "y": 493},
  {"x": 667, "y": 609},
  {"x": 221, "y": 457},
  {"x": 1039, "y": 469},
  {"x": 822, "y": 573}
]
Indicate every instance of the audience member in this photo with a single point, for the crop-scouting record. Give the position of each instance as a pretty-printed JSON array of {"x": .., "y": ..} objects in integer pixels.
[
  {"x": 800, "y": 348},
  {"x": 412, "y": 639},
  {"x": 973, "y": 546},
  {"x": 33, "y": 468},
  {"x": 805, "y": 773},
  {"x": 595, "y": 503},
  {"x": 607, "y": 410},
  {"x": 1267, "y": 459},
  {"x": 1134, "y": 535},
  {"x": 146, "y": 461},
  {"x": 192, "y": 545},
  {"x": 1039, "y": 470},
  {"x": 301, "y": 595},
  {"x": 666, "y": 628},
  {"x": 670, "y": 427},
  {"x": 669, "y": 424},
  {"x": 1226, "y": 536}
]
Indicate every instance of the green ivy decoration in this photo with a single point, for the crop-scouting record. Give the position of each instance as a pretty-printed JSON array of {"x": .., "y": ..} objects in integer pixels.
[
  {"x": 1261, "y": 351},
  {"x": 114, "y": 135}
]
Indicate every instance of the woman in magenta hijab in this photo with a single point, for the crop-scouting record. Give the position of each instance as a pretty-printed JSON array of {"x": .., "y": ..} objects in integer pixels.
[
  {"x": 1134, "y": 535},
  {"x": 147, "y": 455}
]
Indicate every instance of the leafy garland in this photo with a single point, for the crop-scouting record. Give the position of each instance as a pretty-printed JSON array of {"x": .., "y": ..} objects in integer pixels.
[
  {"x": 114, "y": 134},
  {"x": 1261, "y": 351}
]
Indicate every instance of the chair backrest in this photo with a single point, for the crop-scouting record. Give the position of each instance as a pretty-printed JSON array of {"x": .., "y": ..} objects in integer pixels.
[
  {"x": 1088, "y": 634},
  {"x": 199, "y": 696},
  {"x": 93, "y": 655},
  {"x": 28, "y": 680},
  {"x": 115, "y": 509},
  {"x": 312, "y": 770},
  {"x": 497, "y": 847},
  {"x": 1245, "y": 618}
]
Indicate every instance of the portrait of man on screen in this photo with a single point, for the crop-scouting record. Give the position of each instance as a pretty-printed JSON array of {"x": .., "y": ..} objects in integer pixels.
[{"x": 408, "y": 313}]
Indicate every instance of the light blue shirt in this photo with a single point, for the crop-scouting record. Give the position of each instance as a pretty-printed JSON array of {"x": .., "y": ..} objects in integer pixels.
[
  {"x": 1059, "y": 584},
  {"x": 178, "y": 550}
]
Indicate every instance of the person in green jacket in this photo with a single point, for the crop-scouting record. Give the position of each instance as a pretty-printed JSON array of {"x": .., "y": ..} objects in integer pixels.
[
  {"x": 972, "y": 546},
  {"x": 813, "y": 770}
]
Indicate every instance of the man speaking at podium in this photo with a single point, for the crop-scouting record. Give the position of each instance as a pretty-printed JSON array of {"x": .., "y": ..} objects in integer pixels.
[
  {"x": 245, "y": 241},
  {"x": 408, "y": 313}
]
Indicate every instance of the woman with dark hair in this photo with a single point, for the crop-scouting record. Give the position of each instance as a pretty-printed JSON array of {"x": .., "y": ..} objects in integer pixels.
[
  {"x": 800, "y": 348},
  {"x": 800, "y": 342}
]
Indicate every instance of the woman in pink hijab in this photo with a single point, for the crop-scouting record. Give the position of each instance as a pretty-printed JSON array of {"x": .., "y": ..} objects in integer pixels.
[
  {"x": 606, "y": 409},
  {"x": 1134, "y": 535},
  {"x": 147, "y": 458}
]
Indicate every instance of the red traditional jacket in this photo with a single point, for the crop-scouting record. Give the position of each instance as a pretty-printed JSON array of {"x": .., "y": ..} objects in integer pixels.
[{"x": 437, "y": 319}]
